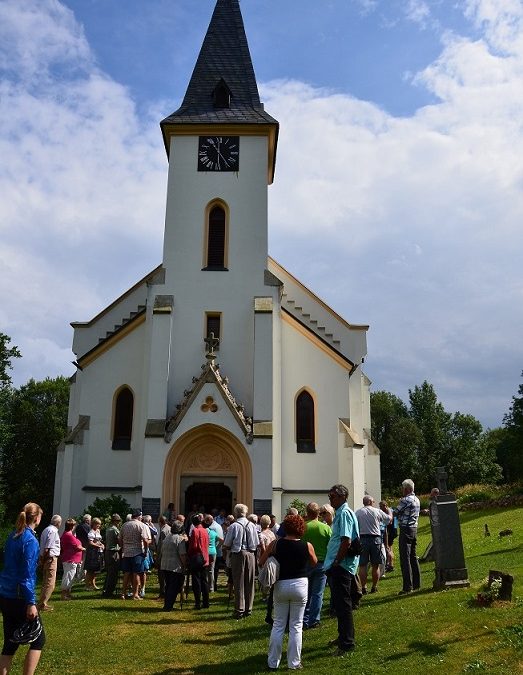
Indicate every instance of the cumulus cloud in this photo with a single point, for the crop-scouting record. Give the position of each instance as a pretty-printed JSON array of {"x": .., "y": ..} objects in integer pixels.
[
  {"x": 410, "y": 224},
  {"x": 419, "y": 218},
  {"x": 82, "y": 179}
]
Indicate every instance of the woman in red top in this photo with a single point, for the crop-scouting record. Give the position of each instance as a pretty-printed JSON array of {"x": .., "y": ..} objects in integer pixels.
[{"x": 71, "y": 553}]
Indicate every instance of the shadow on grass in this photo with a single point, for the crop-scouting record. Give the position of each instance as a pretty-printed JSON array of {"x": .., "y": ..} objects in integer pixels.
[
  {"x": 429, "y": 648},
  {"x": 250, "y": 664}
]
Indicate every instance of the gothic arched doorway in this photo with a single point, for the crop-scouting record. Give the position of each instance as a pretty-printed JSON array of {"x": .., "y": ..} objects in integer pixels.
[
  {"x": 208, "y": 456},
  {"x": 208, "y": 496}
]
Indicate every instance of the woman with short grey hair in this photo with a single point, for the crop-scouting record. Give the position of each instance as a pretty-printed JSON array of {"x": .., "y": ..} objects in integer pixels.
[{"x": 173, "y": 562}]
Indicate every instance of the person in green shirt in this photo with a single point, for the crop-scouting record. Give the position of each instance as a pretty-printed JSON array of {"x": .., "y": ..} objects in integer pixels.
[{"x": 318, "y": 534}]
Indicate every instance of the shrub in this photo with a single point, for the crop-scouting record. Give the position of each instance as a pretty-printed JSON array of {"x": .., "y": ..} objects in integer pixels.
[{"x": 104, "y": 508}]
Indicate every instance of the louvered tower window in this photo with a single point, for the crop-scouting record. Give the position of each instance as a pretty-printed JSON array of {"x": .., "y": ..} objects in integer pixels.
[
  {"x": 221, "y": 96},
  {"x": 305, "y": 423},
  {"x": 216, "y": 239},
  {"x": 123, "y": 420}
]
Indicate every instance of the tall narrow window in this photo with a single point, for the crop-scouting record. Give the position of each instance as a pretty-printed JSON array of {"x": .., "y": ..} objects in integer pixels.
[
  {"x": 305, "y": 423},
  {"x": 123, "y": 420},
  {"x": 213, "y": 326},
  {"x": 216, "y": 239}
]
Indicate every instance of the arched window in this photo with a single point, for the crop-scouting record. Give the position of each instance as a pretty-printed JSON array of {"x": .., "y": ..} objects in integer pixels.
[
  {"x": 123, "y": 420},
  {"x": 305, "y": 441},
  {"x": 216, "y": 239}
]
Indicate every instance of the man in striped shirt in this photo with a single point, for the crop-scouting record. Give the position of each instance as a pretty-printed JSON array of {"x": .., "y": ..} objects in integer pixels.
[{"x": 407, "y": 513}]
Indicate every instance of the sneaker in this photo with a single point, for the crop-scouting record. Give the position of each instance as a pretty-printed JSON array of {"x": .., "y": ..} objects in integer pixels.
[
  {"x": 405, "y": 592},
  {"x": 374, "y": 589},
  {"x": 364, "y": 590}
]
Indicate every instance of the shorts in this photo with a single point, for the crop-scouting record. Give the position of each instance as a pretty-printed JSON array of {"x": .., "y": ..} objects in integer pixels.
[
  {"x": 14, "y": 616},
  {"x": 371, "y": 550},
  {"x": 134, "y": 564}
]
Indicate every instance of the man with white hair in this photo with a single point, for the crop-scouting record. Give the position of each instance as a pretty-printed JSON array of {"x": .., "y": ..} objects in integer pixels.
[
  {"x": 369, "y": 520},
  {"x": 407, "y": 513},
  {"x": 49, "y": 554},
  {"x": 242, "y": 541}
]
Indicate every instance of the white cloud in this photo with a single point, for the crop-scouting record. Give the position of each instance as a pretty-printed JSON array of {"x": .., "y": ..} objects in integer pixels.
[
  {"x": 82, "y": 179},
  {"x": 410, "y": 224},
  {"x": 421, "y": 217}
]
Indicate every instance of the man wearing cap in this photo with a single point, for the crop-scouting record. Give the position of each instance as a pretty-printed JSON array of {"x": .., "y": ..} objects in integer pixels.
[
  {"x": 134, "y": 540},
  {"x": 112, "y": 556}
]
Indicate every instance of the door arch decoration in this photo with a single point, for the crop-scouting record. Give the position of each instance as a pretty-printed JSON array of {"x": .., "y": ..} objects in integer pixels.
[{"x": 207, "y": 450}]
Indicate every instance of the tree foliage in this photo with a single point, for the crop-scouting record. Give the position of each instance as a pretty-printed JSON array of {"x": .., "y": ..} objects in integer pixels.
[
  {"x": 415, "y": 439},
  {"x": 510, "y": 449},
  {"x": 104, "y": 508},
  {"x": 7, "y": 354},
  {"x": 36, "y": 422}
]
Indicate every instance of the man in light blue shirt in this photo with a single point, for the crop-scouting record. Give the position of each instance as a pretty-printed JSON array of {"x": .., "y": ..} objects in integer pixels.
[{"x": 341, "y": 568}]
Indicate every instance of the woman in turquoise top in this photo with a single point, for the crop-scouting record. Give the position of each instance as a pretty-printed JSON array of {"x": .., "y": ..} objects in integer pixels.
[
  {"x": 17, "y": 587},
  {"x": 213, "y": 538}
]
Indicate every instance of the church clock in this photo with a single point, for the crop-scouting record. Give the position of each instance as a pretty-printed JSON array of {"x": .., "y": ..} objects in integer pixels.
[{"x": 218, "y": 153}]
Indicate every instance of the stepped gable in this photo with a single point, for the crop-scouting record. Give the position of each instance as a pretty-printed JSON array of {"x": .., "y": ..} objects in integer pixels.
[
  {"x": 210, "y": 373},
  {"x": 225, "y": 61}
]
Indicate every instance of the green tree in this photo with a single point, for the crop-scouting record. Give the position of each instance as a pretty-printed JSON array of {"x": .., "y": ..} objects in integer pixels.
[
  {"x": 397, "y": 437},
  {"x": 36, "y": 418},
  {"x": 471, "y": 459},
  {"x": 7, "y": 354},
  {"x": 511, "y": 451},
  {"x": 434, "y": 423}
]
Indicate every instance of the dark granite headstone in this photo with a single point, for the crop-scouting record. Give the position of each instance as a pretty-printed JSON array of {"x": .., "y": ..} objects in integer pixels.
[{"x": 449, "y": 557}]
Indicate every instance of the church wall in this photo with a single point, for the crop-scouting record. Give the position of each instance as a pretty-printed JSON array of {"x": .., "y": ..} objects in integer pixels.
[
  {"x": 86, "y": 336},
  {"x": 304, "y": 365},
  {"x": 95, "y": 463},
  {"x": 229, "y": 292}
]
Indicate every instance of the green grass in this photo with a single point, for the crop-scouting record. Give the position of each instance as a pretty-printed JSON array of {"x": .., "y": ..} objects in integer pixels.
[{"x": 426, "y": 632}]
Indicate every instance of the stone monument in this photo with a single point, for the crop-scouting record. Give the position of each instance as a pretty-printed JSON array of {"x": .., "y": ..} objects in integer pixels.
[{"x": 449, "y": 557}]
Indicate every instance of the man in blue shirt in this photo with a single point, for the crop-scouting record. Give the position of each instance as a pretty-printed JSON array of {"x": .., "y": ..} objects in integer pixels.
[{"x": 341, "y": 568}]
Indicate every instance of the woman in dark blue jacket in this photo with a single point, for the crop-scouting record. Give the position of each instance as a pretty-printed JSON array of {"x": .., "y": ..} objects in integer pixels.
[{"x": 17, "y": 587}]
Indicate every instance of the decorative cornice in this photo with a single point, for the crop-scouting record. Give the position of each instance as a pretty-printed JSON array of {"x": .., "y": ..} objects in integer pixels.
[
  {"x": 352, "y": 438},
  {"x": 210, "y": 374},
  {"x": 163, "y": 304},
  {"x": 75, "y": 435},
  {"x": 262, "y": 429},
  {"x": 154, "y": 428},
  {"x": 263, "y": 305},
  {"x": 111, "y": 488}
]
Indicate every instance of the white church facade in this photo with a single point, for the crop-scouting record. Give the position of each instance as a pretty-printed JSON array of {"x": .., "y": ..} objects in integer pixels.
[{"x": 219, "y": 377}]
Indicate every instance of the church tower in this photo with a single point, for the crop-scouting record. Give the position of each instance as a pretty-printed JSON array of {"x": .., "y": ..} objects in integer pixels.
[{"x": 221, "y": 146}]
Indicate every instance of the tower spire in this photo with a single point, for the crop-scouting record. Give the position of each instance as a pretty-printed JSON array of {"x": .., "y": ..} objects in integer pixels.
[{"x": 223, "y": 88}]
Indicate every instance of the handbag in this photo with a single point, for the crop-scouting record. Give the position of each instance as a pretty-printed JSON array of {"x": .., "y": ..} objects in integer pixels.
[
  {"x": 354, "y": 548},
  {"x": 269, "y": 573}
]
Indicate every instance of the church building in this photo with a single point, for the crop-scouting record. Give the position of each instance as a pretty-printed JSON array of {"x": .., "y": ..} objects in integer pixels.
[{"x": 219, "y": 377}]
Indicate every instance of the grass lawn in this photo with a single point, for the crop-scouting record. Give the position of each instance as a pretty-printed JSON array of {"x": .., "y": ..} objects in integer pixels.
[{"x": 426, "y": 632}]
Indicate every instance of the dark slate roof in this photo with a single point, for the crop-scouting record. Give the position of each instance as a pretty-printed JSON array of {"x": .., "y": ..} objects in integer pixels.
[{"x": 224, "y": 55}]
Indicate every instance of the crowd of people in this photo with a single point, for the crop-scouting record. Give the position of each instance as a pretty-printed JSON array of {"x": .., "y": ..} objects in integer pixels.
[{"x": 331, "y": 545}]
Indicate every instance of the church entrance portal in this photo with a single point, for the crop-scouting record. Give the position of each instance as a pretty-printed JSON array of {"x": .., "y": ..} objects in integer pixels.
[
  {"x": 208, "y": 496},
  {"x": 208, "y": 466}
]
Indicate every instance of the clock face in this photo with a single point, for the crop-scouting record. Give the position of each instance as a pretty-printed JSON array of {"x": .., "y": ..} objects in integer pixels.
[{"x": 218, "y": 153}]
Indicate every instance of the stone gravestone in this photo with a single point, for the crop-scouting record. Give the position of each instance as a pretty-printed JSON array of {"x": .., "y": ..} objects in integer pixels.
[{"x": 449, "y": 557}]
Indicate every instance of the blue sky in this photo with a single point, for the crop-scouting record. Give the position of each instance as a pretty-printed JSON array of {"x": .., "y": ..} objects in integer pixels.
[{"x": 411, "y": 221}]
